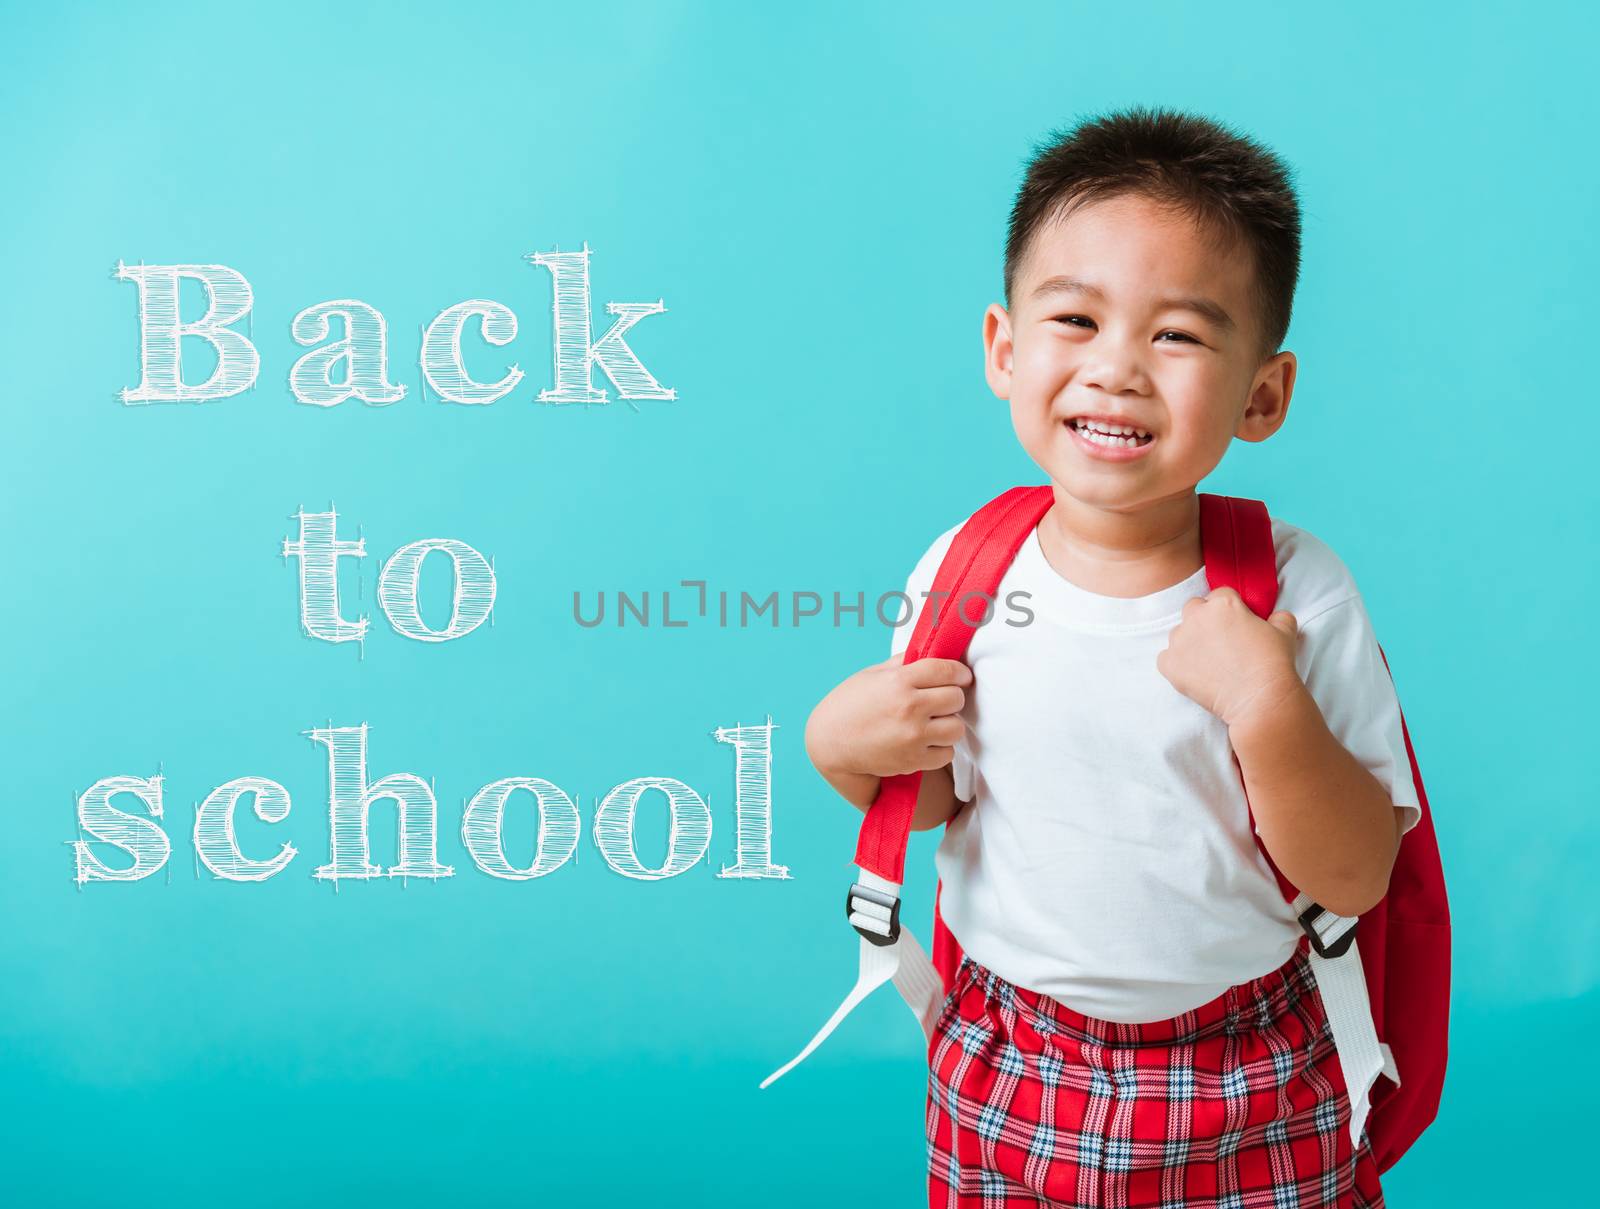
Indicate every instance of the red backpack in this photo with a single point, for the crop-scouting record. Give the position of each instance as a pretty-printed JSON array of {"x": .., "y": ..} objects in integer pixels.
[{"x": 1399, "y": 989}]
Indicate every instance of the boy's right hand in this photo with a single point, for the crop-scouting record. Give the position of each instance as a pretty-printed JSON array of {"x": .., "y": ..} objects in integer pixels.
[{"x": 890, "y": 718}]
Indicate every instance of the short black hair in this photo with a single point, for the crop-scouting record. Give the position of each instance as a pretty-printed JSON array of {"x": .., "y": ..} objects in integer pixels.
[{"x": 1215, "y": 175}]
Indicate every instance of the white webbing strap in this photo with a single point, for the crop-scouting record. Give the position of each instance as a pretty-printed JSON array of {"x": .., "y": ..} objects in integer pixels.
[
  {"x": 1341, "y": 981},
  {"x": 905, "y": 962},
  {"x": 1343, "y": 985}
]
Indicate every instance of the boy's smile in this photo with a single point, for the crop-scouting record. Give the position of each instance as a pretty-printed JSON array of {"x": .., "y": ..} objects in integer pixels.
[{"x": 1132, "y": 358}]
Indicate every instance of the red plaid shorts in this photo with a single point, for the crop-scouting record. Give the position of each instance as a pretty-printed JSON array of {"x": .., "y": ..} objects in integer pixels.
[{"x": 1237, "y": 1104}]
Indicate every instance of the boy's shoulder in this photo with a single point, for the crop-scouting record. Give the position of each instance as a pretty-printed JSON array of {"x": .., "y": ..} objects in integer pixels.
[{"x": 1311, "y": 578}]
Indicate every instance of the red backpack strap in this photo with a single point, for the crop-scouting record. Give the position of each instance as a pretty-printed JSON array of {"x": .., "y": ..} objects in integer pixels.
[
  {"x": 1236, "y": 537},
  {"x": 975, "y": 563},
  {"x": 1236, "y": 540},
  {"x": 1406, "y": 952}
]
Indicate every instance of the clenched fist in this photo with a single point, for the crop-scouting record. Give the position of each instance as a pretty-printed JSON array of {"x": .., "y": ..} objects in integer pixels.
[
  {"x": 1221, "y": 655},
  {"x": 890, "y": 718}
]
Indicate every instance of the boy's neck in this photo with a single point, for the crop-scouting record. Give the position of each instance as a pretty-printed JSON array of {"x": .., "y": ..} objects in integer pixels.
[{"x": 1124, "y": 554}]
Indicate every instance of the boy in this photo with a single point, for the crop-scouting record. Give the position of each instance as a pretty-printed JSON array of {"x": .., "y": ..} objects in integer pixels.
[{"x": 1135, "y": 1020}]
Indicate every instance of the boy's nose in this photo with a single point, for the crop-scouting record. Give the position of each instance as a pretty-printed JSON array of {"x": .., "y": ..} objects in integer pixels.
[{"x": 1113, "y": 367}]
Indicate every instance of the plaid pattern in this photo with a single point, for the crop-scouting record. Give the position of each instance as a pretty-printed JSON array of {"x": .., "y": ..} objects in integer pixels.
[{"x": 1237, "y": 1104}]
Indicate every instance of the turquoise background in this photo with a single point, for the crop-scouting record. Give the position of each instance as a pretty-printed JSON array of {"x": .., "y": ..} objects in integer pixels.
[{"x": 819, "y": 195}]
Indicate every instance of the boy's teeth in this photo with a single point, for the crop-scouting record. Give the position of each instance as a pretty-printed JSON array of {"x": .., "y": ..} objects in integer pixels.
[{"x": 1110, "y": 434}]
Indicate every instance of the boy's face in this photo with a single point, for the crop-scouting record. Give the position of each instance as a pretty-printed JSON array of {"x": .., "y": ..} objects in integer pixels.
[{"x": 1130, "y": 313}]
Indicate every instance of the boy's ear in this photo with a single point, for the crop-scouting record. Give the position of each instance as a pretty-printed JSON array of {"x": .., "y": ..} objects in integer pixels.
[
  {"x": 1268, "y": 405},
  {"x": 997, "y": 350}
]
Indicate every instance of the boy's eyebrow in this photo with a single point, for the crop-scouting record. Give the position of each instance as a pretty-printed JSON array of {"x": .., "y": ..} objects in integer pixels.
[{"x": 1072, "y": 285}]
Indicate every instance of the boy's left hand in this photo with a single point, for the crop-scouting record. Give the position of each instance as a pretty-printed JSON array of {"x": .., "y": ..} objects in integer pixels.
[{"x": 1224, "y": 657}]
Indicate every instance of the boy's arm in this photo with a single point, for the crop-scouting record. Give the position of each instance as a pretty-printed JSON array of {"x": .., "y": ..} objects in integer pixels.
[
  {"x": 1313, "y": 720},
  {"x": 838, "y": 739},
  {"x": 936, "y": 799},
  {"x": 1327, "y": 821},
  {"x": 893, "y": 717}
]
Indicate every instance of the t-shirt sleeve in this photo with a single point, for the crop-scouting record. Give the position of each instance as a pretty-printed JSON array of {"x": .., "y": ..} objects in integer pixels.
[
  {"x": 1339, "y": 660},
  {"x": 917, "y": 584}
]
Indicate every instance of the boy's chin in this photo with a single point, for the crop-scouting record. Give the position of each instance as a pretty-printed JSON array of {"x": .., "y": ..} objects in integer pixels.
[{"x": 1099, "y": 490}]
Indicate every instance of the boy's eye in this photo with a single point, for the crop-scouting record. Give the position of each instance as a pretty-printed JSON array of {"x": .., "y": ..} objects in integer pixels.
[{"x": 1085, "y": 321}]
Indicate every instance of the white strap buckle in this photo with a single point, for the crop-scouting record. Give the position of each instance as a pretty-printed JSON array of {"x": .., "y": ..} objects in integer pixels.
[
  {"x": 1342, "y": 982},
  {"x": 888, "y": 951},
  {"x": 1331, "y": 935}
]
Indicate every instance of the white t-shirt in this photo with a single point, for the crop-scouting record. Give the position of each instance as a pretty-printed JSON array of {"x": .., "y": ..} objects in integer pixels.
[{"x": 1106, "y": 856}]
